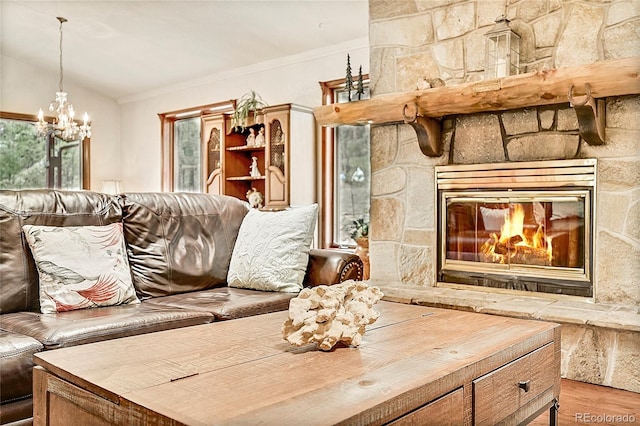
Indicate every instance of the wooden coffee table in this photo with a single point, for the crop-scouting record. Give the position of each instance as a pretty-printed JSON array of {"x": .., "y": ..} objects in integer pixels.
[{"x": 416, "y": 365}]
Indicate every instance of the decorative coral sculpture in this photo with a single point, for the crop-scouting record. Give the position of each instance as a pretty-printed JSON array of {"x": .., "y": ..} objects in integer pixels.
[{"x": 327, "y": 315}]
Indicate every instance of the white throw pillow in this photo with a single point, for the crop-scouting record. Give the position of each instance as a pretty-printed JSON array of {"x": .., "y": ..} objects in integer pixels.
[
  {"x": 81, "y": 266},
  {"x": 272, "y": 249}
]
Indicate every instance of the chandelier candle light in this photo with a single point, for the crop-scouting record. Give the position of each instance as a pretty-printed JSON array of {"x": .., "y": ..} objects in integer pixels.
[{"x": 64, "y": 126}]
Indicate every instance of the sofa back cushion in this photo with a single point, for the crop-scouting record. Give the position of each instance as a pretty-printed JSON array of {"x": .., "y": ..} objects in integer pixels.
[
  {"x": 18, "y": 274},
  {"x": 180, "y": 242}
]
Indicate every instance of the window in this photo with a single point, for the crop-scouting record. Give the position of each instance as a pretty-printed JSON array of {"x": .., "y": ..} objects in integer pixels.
[
  {"x": 31, "y": 161},
  {"x": 187, "y": 154},
  {"x": 346, "y": 172},
  {"x": 183, "y": 147}
]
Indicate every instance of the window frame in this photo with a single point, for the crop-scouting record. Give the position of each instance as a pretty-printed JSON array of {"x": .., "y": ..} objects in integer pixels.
[
  {"x": 167, "y": 140},
  {"x": 85, "y": 147},
  {"x": 327, "y": 219}
]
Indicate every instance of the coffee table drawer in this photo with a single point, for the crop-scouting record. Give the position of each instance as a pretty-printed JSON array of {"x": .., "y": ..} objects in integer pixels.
[
  {"x": 447, "y": 410},
  {"x": 502, "y": 392}
]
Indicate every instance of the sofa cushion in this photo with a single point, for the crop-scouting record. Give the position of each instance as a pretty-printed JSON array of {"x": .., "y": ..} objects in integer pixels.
[
  {"x": 81, "y": 266},
  {"x": 228, "y": 303},
  {"x": 19, "y": 289},
  {"x": 16, "y": 363},
  {"x": 179, "y": 243},
  {"x": 17, "y": 413},
  {"x": 272, "y": 249},
  {"x": 91, "y": 325}
]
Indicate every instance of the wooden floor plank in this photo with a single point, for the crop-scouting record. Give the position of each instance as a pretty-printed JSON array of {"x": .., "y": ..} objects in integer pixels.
[{"x": 584, "y": 403}]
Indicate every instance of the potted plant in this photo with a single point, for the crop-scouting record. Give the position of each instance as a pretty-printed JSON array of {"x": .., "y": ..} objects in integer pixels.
[
  {"x": 359, "y": 229},
  {"x": 248, "y": 103}
]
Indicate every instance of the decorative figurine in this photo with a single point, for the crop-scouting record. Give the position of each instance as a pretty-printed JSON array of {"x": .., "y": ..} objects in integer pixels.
[
  {"x": 348, "y": 82},
  {"x": 277, "y": 159},
  {"x": 253, "y": 171},
  {"x": 255, "y": 198},
  {"x": 260, "y": 138},
  {"x": 279, "y": 138},
  {"x": 360, "y": 86},
  {"x": 251, "y": 139}
]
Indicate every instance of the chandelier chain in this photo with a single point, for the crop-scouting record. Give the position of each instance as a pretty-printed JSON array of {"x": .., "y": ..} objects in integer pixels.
[
  {"x": 60, "y": 84},
  {"x": 63, "y": 124}
]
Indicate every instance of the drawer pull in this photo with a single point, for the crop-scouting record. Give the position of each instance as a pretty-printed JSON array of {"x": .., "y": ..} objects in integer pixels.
[{"x": 525, "y": 385}]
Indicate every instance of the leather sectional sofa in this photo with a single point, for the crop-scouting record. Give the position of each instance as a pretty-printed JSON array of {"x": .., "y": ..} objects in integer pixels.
[{"x": 179, "y": 248}]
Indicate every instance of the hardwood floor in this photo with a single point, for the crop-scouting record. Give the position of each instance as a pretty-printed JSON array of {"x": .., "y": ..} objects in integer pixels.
[{"x": 583, "y": 403}]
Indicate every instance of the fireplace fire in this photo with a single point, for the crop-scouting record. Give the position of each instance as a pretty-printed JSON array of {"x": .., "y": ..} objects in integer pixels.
[
  {"x": 518, "y": 243},
  {"x": 520, "y": 226}
]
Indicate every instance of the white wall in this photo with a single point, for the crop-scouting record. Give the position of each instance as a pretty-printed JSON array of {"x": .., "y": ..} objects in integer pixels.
[
  {"x": 24, "y": 89},
  {"x": 290, "y": 80}
]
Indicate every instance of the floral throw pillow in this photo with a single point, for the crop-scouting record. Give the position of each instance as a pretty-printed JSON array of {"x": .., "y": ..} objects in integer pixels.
[
  {"x": 81, "y": 266},
  {"x": 272, "y": 249}
]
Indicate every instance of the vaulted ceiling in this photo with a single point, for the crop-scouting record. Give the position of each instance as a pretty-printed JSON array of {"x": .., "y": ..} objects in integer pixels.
[{"x": 124, "y": 48}]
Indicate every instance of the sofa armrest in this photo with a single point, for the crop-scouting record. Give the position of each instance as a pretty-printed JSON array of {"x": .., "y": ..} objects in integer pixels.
[{"x": 332, "y": 267}]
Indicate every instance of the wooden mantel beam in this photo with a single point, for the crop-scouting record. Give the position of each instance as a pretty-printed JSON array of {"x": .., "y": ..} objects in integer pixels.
[{"x": 606, "y": 78}]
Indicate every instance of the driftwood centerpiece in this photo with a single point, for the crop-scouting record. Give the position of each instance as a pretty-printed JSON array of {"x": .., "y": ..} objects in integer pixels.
[{"x": 327, "y": 315}]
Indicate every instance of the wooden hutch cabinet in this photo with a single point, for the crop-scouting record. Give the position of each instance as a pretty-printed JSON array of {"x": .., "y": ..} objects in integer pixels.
[
  {"x": 283, "y": 148},
  {"x": 213, "y": 133}
]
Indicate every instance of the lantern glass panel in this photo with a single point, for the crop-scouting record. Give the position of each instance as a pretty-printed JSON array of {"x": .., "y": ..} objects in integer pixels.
[
  {"x": 497, "y": 57},
  {"x": 514, "y": 55}
]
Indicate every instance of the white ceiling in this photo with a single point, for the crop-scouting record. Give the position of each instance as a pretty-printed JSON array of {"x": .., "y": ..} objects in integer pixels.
[{"x": 125, "y": 48}]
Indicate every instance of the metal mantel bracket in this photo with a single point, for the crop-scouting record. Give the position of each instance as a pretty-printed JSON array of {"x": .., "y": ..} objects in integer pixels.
[
  {"x": 591, "y": 116},
  {"x": 427, "y": 129}
]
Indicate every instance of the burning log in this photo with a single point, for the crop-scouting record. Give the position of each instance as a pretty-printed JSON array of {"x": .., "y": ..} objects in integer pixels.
[
  {"x": 510, "y": 245},
  {"x": 517, "y": 244},
  {"x": 532, "y": 256},
  {"x": 502, "y": 249},
  {"x": 523, "y": 254},
  {"x": 515, "y": 240}
]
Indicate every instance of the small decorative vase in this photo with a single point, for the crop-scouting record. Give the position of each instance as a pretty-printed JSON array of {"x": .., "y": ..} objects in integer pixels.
[{"x": 362, "y": 250}]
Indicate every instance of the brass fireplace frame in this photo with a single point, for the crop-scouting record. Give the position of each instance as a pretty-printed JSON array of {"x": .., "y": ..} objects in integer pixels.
[{"x": 553, "y": 180}]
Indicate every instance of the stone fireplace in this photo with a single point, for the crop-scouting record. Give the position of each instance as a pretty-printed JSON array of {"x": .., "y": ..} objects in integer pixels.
[
  {"x": 525, "y": 226},
  {"x": 406, "y": 217},
  {"x": 414, "y": 41}
]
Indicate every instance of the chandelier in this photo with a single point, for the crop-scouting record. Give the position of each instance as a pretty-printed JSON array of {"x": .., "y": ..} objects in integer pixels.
[{"x": 63, "y": 126}]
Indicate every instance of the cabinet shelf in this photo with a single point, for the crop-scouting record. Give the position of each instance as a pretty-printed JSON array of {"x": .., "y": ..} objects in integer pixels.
[
  {"x": 245, "y": 178},
  {"x": 246, "y": 148}
]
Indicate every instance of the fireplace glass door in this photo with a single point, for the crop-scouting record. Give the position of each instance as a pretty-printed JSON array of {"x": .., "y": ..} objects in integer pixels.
[{"x": 518, "y": 233}]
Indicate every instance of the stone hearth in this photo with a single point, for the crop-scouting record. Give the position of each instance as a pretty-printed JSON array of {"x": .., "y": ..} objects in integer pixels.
[{"x": 414, "y": 40}]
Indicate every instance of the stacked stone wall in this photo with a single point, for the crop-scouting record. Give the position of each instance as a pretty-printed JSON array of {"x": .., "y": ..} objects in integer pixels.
[{"x": 416, "y": 40}]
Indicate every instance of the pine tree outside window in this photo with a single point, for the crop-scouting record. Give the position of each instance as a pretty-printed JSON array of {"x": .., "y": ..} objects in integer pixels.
[{"x": 29, "y": 161}]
